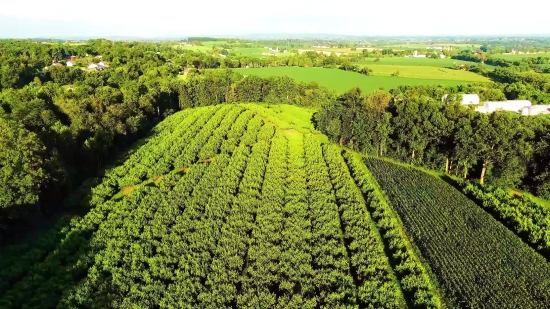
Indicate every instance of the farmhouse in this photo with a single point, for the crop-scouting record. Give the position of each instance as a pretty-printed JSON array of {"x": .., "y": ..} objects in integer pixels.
[
  {"x": 512, "y": 106},
  {"x": 70, "y": 63},
  {"x": 416, "y": 55},
  {"x": 467, "y": 99}
]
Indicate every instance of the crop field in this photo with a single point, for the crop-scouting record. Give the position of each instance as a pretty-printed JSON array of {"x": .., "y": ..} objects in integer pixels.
[
  {"x": 424, "y": 46},
  {"x": 521, "y": 56},
  {"x": 478, "y": 261},
  {"x": 333, "y": 50},
  {"x": 227, "y": 206},
  {"x": 207, "y": 46},
  {"x": 522, "y": 215},
  {"x": 402, "y": 61},
  {"x": 342, "y": 81},
  {"x": 426, "y": 72}
]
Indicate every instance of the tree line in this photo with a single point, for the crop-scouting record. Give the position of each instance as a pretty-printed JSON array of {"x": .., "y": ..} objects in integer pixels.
[{"x": 414, "y": 125}]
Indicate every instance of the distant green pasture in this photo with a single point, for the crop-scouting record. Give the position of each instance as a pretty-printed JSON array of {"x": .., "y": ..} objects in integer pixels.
[
  {"x": 441, "y": 63},
  {"x": 341, "y": 81}
]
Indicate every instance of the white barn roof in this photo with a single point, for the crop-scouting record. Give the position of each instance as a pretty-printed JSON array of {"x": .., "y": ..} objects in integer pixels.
[
  {"x": 513, "y": 106},
  {"x": 536, "y": 110}
]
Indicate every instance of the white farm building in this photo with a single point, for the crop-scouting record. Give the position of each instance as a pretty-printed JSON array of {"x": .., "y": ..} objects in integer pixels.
[
  {"x": 467, "y": 99},
  {"x": 536, "y": 110},
  {"x": 97, "y": 66},
  {"x": 512, "y": 106}
]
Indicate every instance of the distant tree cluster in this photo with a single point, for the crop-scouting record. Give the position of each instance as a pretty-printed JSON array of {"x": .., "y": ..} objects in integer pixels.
[{"x": 412, "y": 124}]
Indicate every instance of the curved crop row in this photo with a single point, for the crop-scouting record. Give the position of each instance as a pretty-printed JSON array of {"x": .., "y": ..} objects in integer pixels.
[
  {"x": 260, "y": 285},
  {"x": 375, "y": 280},
  {"x": 224, "y": 279},
  {"x": 188, "y": 154},
  {"x": 136, "y": 168},
  {"x": 334, "y": 284},
  {"x": 236, "y": 132},
  {"x": 413, "y": 276}
]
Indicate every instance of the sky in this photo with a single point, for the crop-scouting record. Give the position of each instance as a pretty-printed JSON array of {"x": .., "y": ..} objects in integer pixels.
[{"x": 165, "y": 18}]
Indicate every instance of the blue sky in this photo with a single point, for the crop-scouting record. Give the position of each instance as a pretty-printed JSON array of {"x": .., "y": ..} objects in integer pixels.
[{"x": 165, "y": 18}]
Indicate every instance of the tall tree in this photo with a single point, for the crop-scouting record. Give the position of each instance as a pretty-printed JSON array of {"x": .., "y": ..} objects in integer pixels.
[{"x": 21, "y": 165}]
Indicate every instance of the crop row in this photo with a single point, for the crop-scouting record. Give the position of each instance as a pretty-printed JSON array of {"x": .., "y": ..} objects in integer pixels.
[
  {"x": 526, "y": 218},
  {"x": 178, "y": 151},
  {"x": 136, "y": 168},
  {"x": 412, "y": 274},
  {"x": 334, "y": 284},
  {"x": 224, "y": 279},
  {"x": 215, "y": 129},
  {"x": 373, "y": 276},
  {"x": 296, "y": 265},
  {"x": 478, "y": 262},
  {"x": 260, "y": 283}
]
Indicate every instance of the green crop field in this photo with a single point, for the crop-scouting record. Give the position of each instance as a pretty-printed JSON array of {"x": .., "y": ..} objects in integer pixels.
[
  {"x": 341, "y": 81},
  {"x": 248, "y": 205},
  {"x": 478, "y": 261},
  {"x": 243, "y": 51},
  {"x": 333, "y": 50},
  {"x": 426, "y": 72},
  {"x": 402, "y": 61},
  {"x": 223, "y": 206},
  {"x": 520, "y": 56},
  {"x": 424, "y": 46}
]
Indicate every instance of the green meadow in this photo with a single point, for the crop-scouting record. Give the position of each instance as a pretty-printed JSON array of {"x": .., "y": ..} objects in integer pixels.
[
  {"x": 426, "y": 72},
  {"x": 341, "y": 81},
  {"x": 520, "y": 56},
  {"x": 440, "y": 63}
]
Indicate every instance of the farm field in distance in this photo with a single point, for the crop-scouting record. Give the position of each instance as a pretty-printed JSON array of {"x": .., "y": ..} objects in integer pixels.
[
  {"x": 521, "y": 56},
  {"x": 342, "y": 81},
  {"x": 424, "y": 46},
  {"x": 426, "y": 72},
  {"x": 402, "y": 61},
  {"x": 252, "y": 51}
]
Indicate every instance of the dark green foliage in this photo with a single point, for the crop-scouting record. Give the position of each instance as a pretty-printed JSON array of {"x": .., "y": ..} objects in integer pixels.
[
  {"x": 520, "y": 214},
  {"x": 414, "y": 125},
  {"x": 478, "y": 262}
]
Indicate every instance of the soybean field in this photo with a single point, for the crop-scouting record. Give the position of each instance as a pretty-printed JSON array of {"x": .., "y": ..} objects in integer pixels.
[{"x": 478, "y": 261}]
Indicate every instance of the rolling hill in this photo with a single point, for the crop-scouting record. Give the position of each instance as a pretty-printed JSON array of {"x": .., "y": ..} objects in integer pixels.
[{"x": 248, "y": 206}]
